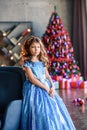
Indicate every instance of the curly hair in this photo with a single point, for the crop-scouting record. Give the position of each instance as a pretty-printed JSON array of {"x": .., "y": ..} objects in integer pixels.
[{"x": 26, "y": 55}]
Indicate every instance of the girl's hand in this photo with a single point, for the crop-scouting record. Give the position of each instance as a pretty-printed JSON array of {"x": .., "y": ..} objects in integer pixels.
[
  {"x": 48, "y": 90},
  {"x": 52, "y": 91}
]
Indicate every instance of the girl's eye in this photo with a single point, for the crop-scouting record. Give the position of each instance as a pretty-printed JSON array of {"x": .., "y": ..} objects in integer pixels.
[
  {"x": 35, "y": 46},
  {"x": 32, "y": 46},
  {"x": 38, "y": 46}
]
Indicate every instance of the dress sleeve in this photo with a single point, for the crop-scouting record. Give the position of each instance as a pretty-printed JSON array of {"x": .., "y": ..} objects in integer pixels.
[{"x": 27, "y": 64}]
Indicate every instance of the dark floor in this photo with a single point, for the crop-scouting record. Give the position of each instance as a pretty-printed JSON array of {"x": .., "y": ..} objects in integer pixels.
[{"x": 78, "y": 113}]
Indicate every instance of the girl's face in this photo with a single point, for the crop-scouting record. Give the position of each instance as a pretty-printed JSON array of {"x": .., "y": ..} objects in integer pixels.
[{"x": 35, "y": 49}]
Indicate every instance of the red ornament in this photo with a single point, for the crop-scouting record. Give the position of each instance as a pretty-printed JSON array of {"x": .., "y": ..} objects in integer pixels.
[
  {"x": 48, "y": 30},
  {"x": 78, "y": 101},
  {"x": 81, "y": 102}
]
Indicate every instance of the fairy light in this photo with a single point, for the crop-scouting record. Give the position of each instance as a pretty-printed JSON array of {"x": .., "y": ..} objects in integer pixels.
[
  {"x": 4, "y": 34},
  {"x": 11, "y": 57},
  {"x": 28, "y": 30},
  {"x": 19, "y": 43},
  {"x": 10, "y": 51}
]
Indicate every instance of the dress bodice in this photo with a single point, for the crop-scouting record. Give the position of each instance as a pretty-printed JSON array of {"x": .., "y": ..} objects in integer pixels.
[{"x": 37, "y": 69}]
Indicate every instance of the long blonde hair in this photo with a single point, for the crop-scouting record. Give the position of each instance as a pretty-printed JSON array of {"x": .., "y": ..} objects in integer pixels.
[{"x": 26, "y": 55}]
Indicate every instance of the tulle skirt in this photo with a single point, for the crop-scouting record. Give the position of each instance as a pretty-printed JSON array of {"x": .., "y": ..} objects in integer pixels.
[{"x": 42, "y": 112}]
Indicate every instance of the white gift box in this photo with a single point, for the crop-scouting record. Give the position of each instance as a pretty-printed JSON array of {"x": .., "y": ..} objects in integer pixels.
[{"x": 56, "y": 84}]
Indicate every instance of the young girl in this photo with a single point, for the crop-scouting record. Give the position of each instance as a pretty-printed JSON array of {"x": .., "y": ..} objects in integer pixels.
[{"x": 42, "y": 107}]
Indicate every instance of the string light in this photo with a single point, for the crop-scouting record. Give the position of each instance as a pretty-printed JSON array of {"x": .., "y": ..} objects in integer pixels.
[
  {"x": 11, "y": 57},
  {"x": 10, "y": 51},
  {"x": 19, "y": 43},
  {"x": 28, "y": 30},
  {"x": 4, "y": 34}
]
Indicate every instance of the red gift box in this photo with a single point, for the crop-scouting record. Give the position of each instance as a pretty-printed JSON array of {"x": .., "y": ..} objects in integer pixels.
[
  {"x": 67, "y": 84},
  {"x": 83, "y": 84},
  {"x": 62, "y": 83}
]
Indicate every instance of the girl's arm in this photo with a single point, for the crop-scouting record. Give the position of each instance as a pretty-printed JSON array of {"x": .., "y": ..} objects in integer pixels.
[
  {"x": 52, "y": 90},
  {"x": 48, "y": 77},
  {"x": 35, "y": 81}
]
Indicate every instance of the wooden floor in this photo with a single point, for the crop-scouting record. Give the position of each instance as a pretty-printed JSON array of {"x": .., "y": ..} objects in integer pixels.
[{"x": 78, "y": 113}]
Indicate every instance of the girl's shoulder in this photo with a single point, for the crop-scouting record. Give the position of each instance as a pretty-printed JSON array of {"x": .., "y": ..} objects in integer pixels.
[{"x": 27, "y": 63}]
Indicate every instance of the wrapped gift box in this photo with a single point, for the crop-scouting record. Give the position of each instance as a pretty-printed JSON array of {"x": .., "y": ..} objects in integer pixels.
[
  {"x": 73, "y": 84},
  {"x": 56, "y": 84},
  {"x": 75, "y": 81},
  {"x": 62, "y": 83},
  {"x": 83, "y": 84},
  {"x": 67, "y": 84}
]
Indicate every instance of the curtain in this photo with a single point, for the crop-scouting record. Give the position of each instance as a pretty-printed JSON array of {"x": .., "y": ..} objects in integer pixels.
[{"x": 80, "y": 34}]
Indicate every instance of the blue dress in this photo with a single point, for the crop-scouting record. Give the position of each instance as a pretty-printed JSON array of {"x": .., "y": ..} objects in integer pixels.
[{"x": 39, "y": 110}]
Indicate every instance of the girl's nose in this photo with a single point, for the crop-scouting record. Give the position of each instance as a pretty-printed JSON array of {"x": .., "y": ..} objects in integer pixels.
[{"x": 36, "y": 48}]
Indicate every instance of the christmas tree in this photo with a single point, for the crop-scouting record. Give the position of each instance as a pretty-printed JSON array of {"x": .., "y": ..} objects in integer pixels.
[{"x": 59, "y": 49}]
